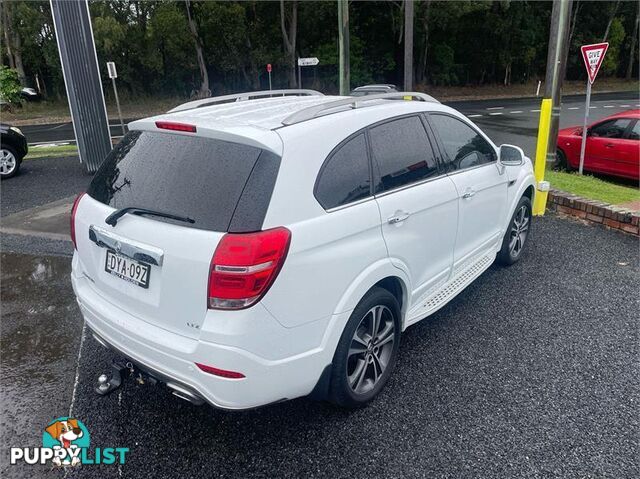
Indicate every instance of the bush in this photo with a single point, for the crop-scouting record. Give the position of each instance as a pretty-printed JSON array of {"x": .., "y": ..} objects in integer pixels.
[{"x": 9, "y": 85}]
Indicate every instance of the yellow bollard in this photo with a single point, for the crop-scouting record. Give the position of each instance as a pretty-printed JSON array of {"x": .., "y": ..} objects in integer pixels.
[{"x": 540, "y": 201}]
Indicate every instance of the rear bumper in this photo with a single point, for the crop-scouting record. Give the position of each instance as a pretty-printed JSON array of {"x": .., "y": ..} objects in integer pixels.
[{"x": 171, "y": 357}]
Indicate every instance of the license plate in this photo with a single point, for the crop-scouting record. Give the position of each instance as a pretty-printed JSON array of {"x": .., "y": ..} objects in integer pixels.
[{"x": 127, "y": 269}]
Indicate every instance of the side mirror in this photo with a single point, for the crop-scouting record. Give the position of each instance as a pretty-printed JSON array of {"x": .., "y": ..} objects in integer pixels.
[{"x": 511, "y": 155}]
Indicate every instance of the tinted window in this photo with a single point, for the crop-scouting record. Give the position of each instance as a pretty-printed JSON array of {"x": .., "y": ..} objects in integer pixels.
[
  {"x": 344, "y": 178},
  {"x": 463, "y": 146},
  {"x": 611, "y": 128},
  {"x": 634, "y": 134},
  {"x": 201, "y": 178},
  {"x": 402, "y": 152}
]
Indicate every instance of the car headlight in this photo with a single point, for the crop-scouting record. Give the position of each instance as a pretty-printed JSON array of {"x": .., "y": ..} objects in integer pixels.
[{"x": 17, "y": 130}]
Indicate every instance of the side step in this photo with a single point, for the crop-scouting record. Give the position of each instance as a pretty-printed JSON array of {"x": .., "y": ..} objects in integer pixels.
[{"x": 451, "y": 288}]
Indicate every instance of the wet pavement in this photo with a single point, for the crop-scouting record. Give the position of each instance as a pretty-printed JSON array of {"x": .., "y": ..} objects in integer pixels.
[
  {"x": 41, "y": 331},
  {"x": 532, "y": 371}
]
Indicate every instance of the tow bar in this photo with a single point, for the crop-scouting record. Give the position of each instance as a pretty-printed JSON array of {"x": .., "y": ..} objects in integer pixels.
[{"x": 119, "y": 371}]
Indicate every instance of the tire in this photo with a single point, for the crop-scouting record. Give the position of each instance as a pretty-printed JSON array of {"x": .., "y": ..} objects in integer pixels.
[
  {"x": 9, "y": 162},
  {"x": 517, "y": 234},
  {"x": 562, "y": 163},
  {"x": 361, "y": 368}
]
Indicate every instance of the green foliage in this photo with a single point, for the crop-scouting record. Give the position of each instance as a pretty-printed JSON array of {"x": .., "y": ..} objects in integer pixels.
[
  {"x": 9, "y": 85},
  {"x": 612, "y": 58},
  {"x": 466, "y": 42}
]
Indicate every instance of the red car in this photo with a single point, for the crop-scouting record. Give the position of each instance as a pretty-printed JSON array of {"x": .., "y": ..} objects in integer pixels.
[{"x": 613, "y": 146}]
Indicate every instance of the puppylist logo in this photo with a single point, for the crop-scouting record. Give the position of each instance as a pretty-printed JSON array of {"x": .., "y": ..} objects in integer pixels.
[{"x": 65, "y": 443}]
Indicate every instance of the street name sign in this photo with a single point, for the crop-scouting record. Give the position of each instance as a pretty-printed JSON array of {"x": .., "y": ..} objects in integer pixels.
[
  {"x": 308, "y": 62},
  {"x": 593, "y": 56},
  {"x": 111, "y": 68}
]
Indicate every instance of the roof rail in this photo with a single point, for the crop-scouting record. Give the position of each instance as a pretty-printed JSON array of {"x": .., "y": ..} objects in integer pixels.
[
  {"x": 241, "y": 97},
  {"x": 354, "y": 102}
]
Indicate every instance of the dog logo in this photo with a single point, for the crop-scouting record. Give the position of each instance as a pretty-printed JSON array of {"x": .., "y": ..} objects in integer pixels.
[
  {"x": 65, "y": 443},
  {"x": 66, "y": 436}
]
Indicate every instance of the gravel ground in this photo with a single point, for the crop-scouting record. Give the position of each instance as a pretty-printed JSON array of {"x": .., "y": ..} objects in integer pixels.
[
  {"x": 41, "y": 181},
  {"x": 531, "y": 372}
]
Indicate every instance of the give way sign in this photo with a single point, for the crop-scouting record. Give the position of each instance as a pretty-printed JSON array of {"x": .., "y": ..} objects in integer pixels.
[{"x": 593, "y": 56}]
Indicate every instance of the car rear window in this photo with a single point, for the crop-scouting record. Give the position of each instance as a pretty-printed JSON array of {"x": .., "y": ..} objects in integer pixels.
[{"x": 201, "y": 178}]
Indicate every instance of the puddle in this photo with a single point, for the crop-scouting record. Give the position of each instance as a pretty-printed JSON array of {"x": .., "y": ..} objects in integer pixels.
[{"x": 41, "y": 329}]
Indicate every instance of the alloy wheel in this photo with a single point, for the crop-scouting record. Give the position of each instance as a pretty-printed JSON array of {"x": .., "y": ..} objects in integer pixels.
[
  {"x": 7, "y": 162},
  {"x": 519, "y": 231},
  {"x": 371, "y": 349}
]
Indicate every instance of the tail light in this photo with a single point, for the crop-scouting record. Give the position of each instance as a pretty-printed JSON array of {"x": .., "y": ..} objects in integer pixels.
[
  {"x": 223, "y": 373},
  {"x": 73, "y": 219},
  {"x": 171, "y": 125},
  {"x": 244, "y": 266}
]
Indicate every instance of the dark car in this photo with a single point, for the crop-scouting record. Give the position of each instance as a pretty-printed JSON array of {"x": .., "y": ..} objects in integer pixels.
[
  {"x": 373, "y": 89},
  {"x": 14, "y": 148}
]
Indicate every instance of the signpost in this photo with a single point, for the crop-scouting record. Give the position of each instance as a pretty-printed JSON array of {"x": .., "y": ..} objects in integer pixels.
[
  {"x": 269, "y": 72},
  {"x": 305, "y": 62},
  {"x": 113, "y": 74},
  {"x": 592, "y": 56}
]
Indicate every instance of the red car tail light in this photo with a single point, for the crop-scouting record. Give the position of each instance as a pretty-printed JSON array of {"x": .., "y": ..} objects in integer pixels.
[
  {"x": 244, "y": 266},
  {"x": 220, "y": 372},
  {"x": 73, "y": 219},
  {"x": 170, "y": 125}
]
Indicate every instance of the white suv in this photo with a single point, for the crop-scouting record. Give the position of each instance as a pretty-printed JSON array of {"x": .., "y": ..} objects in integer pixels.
[{"x": 250, "y": 249}]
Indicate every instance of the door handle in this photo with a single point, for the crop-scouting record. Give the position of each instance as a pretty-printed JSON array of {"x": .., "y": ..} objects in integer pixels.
[
  {"x": 609, "y": 145},
  {"x": 398, "y": 217},
  {"x": 469, "y": 193}
]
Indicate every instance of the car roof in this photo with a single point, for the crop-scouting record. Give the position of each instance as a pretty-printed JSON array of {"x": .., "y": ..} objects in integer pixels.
[{"x": 254, "y": 122}]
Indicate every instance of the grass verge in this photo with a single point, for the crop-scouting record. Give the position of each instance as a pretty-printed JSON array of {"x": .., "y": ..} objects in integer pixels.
[
  {"x": 592, "y": 188},
  {"x": 51, "y": 151}
]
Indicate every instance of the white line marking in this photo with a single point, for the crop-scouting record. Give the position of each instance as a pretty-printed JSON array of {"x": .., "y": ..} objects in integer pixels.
[
  {"x": 493, "y": 114},
  {"x": 77, "y": 379},
  {"x": 608, "y": 106},
  {"x": 574, "y": 108},
  {"x": 592, "y": 107},
  {"x": 625, "y": 106},
  {"x": 473, "y": 116},
  {"x": 496, "y": 108},
  {"x": 638, "y": 105},
  {"x": 65, "y": 141},
  {"x": 516, "y": 111},
  {"x": 534, "y": 111}
]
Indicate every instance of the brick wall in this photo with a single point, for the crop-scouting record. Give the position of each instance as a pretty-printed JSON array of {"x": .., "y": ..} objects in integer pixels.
[{"x": 594, "y": 211}]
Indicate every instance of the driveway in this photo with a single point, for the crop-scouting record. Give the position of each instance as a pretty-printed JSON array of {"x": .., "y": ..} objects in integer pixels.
[{"x": 531, "y": 372}]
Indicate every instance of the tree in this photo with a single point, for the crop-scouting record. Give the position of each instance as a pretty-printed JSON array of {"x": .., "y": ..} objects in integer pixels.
[
  {"x": 290, "y": 37},
  {"x": 614, "y": 10},
  {"x": 12, "y": 39},
  {"x": 204, "y": 90},
  {"x": 632, "y": 50}
]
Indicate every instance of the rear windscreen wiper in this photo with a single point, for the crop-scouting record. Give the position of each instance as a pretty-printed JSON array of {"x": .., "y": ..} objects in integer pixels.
[{"x": 113, "y": 218}]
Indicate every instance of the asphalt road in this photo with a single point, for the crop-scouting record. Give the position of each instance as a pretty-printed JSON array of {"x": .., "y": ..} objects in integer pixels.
[
  {"x": 531, "y": 372},
  {"x": 505, "y": 120}
]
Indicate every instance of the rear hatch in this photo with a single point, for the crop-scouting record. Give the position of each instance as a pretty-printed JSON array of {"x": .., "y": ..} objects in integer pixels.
[{"x": 157, "y": 268}]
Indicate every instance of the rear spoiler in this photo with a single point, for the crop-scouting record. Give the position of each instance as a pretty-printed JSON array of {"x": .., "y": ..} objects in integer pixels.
[{"x": 243, "y": 134}]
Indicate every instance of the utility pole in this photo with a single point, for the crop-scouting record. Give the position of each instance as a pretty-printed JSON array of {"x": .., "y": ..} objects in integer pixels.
[
  {"x": 551, "y": 103},
  {"x": 343, "y": 42},
  {"x": 408, "y": 45}
]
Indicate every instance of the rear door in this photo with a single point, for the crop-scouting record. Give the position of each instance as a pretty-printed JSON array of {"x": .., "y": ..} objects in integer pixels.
[
  {"x": 482, "y": 189},
  {"x": 418, "y": 203},
  {"x": 155, "y": 268}
]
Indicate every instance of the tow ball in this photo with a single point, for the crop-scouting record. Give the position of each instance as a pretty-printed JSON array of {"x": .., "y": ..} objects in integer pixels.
[{"x": 120, "y": 370}]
